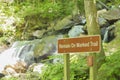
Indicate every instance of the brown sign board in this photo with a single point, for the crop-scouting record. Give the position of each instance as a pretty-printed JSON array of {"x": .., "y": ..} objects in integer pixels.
[{"x": 80, "y": 44}]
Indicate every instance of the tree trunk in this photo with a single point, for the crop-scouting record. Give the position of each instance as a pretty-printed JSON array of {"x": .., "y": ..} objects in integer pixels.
[{"x": 93, "y": 29}]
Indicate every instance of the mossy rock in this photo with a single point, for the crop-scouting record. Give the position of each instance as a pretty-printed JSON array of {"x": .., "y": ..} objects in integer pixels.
[
  {"x": 114, "y": 45},
  {"x": 117, "y": 28},
  {"x": 47, "y": 45},
  {"x": 112, "y": 14},
  {"x": 64, "y": 23}
]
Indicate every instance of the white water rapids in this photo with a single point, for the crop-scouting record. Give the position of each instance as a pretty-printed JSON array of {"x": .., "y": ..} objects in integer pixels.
[{"x": 13, "y": 55}]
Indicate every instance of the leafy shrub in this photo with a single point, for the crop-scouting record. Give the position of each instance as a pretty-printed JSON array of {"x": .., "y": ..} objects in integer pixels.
[
  {"x": 113, "y": 3},
  {"x": 9, "y": 21},
  {"x": 78, "y": 70},
  {"x": 111, "y": 69},
  {"x": 45, "y": 9}
]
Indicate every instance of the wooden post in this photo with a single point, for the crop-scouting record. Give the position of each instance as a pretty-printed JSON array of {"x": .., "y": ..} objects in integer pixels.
[
  {"x": 93, "y": 69},
  {"x": 93, "y": 29},
  {"x": 66, "y": 67}
]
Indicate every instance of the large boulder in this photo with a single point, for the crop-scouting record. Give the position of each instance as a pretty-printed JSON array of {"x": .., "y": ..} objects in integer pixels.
[
  {"x": 64, "y": 23},
  {"x": 47, "y": 45},
  {"x": 76, "y": 31},
  {"x": 112, "y": 14}
]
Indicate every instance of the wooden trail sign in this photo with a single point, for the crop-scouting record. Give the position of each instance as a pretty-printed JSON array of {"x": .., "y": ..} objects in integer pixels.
[{"x": 80, "y": 44}]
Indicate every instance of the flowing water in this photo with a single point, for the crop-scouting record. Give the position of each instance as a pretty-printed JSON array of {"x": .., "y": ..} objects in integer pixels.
[
  {"x": 105, "y": 39},
  {"x": 12, "y": 55}
]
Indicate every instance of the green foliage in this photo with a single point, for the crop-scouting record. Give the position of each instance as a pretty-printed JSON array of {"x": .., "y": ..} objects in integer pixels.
[
  {"x": 110, "y": 69},
  {"x": 39, "y": 14},
  {"x": 3, "y": 40},
  {"x": 80, "y": 4},
  {"x": 45, "y": 9},
  {"x": 78, "y": 70},
  {"x": 53, "y": 72},
  {"x": 9, "y": 21},
  {"x": 30, "y": 76},
  {"x": 113, "y": 3},
  {"x": 11, "y": 78}
]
